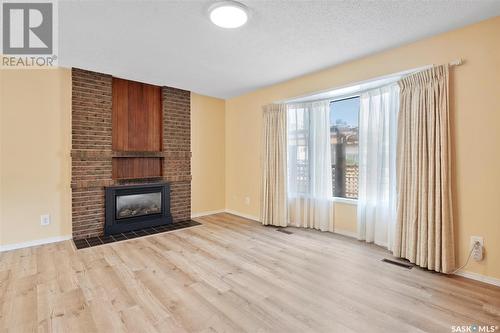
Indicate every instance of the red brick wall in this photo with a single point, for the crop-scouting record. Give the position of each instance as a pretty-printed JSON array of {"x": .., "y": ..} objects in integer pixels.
[
  {"x": 177, "y": 148},
  {"x": 92, "y": 152}
]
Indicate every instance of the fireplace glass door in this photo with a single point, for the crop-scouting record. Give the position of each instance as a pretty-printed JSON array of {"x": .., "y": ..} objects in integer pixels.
[{"x": 135, "y": 205}]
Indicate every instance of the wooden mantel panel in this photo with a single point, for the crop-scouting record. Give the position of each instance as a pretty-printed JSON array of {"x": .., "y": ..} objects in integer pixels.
[
  {"x": 137, "y": 116},
  {"x": 136, "y": 168}
]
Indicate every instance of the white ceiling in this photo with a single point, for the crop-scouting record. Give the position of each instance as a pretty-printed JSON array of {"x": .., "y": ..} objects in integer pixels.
[{"x": 173, "y": 42}]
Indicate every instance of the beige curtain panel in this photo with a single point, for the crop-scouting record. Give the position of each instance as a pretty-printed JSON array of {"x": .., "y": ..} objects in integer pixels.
[
  {"x": 424, "y": 225},
  {"x": 274, "y": 196}
]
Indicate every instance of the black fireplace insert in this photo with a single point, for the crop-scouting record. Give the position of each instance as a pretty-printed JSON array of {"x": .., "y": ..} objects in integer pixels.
[{"x": 134, "y": 207}]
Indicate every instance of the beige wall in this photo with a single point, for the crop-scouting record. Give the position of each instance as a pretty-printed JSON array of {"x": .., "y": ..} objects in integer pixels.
[
  {"x": 345, "y": 219},
  {"x": 475, "y": 101},
  {"x": 208, "y": 161},
  {"x": 1, "y": 154},
  {"x": 35, "y": 154}
]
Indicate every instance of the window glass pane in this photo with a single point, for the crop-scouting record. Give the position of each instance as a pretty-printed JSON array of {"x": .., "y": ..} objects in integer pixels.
[{"x": 344, "y": 124}]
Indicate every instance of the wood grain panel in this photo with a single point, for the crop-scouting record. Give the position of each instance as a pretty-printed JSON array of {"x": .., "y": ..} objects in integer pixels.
[
  {"x": 151, "y": 99},
  {"x": 137, "y": 167},
  {"x": 120, "y": 114},
  {"x": 137, "y": 116}
]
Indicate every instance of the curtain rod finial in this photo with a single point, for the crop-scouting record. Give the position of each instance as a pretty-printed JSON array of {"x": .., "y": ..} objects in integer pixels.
[{"x": 457, "y": 62}]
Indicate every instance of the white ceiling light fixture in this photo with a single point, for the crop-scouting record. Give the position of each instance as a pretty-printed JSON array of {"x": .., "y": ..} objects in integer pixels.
[{"x": 228, "y": 14}]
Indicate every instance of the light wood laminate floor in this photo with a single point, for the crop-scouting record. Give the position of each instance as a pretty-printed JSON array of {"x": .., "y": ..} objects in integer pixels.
[{"x": 232, "y": 275}]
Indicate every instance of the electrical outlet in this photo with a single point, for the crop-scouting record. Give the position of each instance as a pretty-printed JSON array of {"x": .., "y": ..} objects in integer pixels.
[
  {"x": 474, "y": 239},
  {"x": 247, "y": 201},
  {"x": 477, "y": 246},
  {"x": 45, "y": 219}
]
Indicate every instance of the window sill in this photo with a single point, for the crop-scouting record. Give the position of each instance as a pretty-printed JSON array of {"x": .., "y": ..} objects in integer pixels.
[
  {"x": 332, "y": 199},
  {"x": 345, "y": 200}
]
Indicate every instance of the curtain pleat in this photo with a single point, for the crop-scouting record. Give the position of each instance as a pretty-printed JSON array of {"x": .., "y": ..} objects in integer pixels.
[
  {"x": 424, "y": 222},
  {"x": 274, "y": 194}
]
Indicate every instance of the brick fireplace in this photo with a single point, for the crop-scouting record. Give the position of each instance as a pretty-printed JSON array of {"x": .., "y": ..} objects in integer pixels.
[{"x": 95, "y": 162}]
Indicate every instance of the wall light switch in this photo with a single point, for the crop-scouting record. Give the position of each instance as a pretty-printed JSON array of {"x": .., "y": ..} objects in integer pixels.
[
  {"x": 247, "y": 201},
  {"x": 45, "y": 219}
]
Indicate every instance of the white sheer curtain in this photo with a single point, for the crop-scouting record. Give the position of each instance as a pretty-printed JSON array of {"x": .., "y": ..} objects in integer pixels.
[
  {"x": 377, "y": 165},
  {"x": 309, "y": 166}
]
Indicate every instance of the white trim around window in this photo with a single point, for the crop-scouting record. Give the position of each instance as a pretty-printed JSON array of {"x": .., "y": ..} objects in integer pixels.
[{"x": 345, "y": 200}]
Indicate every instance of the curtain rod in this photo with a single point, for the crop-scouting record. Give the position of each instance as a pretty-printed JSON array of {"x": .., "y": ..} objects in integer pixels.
[{"x": 456, "y": 62}]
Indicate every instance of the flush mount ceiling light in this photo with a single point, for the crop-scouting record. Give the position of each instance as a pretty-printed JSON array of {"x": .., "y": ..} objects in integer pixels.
[{"x": 228, "y": 14}]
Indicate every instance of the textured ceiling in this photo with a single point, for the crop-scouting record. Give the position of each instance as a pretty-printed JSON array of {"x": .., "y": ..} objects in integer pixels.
[{"x": 173, "y": 42}]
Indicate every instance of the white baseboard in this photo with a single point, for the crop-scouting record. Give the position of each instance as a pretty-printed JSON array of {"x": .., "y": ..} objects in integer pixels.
[
  {"x": 37, "y": 242},
  {"x": 247, "y": 216},
  {"x": 479, "y": 277},
  {"x": 229, "y": 211},
  {"x": 347, "y": 233},
  {"x": 210, "y": 212}
]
